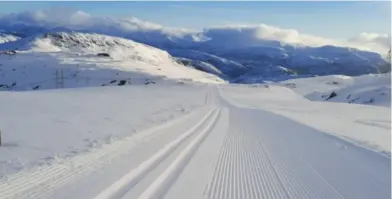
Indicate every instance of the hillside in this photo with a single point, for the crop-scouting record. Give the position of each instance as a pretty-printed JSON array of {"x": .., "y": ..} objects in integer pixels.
[{"x": 72, "y": 59}]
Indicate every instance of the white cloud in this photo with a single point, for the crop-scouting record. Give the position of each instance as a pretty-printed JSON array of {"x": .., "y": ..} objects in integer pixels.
[
  {"x": 57, "y": 16},
  {"x": 234, "y": 34},
  {"x": 66, "y": 17},
  {"x": 372, "y": 41},
  {"x": 256, "y": 33},
  {"x": 250, "y": 34}
]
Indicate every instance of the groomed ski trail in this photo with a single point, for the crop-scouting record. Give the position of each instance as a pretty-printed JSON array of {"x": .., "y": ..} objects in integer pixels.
[{"x": 230, "y": 151}]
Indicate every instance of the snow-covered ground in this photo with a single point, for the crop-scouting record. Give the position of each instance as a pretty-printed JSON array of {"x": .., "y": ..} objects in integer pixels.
[{"x": 226, "y": 141}]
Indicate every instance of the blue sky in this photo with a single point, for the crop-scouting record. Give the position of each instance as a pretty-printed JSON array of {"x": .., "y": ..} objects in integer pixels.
[{"x": 327, "y": 19}]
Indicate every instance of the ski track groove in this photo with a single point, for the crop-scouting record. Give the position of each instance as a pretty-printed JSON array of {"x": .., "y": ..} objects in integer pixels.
[
  {"x": 230, "y": 173},
  {"x": 53, "y": 174},
  {"x": 163, "y": 183},
  {"x": 275, "y": 173},
  {"x": 224, "y": 171},
  {"x": 216, "y": 182},
  {"x": 326, "y": 182},
  {"x": 243, "y": 175},
  {"x": 246, "y": 168},
  {"x": 259, "y": 176},
  {"x": 269, "y": 183},
  {"x": 241, "y": 171},
  {"x": 217, "y": 165},
  {"x": 46, "y": 188},
  {"x": 237, "y": 171},
  {"x": 297, "y": 180},
  {"x": 42, "y": 181},
  {"x": 249, "y": 179},
  {"x": 119, "y": 188}
]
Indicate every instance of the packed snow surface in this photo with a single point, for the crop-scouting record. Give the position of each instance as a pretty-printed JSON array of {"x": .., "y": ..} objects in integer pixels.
[{"x": 197, "y": 141}]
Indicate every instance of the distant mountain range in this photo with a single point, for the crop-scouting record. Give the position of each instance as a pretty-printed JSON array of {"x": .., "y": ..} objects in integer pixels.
[{"x": 230, "y": 59}]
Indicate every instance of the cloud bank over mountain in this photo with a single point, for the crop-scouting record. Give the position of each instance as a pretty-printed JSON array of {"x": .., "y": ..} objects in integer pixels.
[{"x": 246, "y": 34}]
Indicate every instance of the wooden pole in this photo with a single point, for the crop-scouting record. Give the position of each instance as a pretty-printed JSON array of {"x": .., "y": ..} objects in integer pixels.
[
  {"x": 0, "y": 138},
  {"x": 62, "y": 78},
  {"x": 57, "y": 79}
]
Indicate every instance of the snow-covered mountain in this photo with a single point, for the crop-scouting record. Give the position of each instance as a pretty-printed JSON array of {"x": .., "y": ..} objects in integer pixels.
[
  {"x": 234, "y": 51},
  {"x": 236, "y": 58},
  {"x": 72, "y": 59}
]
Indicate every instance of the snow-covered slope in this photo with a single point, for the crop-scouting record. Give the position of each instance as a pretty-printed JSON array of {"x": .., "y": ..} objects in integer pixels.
[
  {"x": 200, "y": 65},
  {"x": 227, "y": 67},
  {"x": 87, "y": 60},
  {"x": 366, "y": 89},
  {"x": 7, "y": 38}
]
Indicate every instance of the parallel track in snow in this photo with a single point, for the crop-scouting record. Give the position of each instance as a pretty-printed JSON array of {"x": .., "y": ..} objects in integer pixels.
[
  {"x": 41, "y": 182},
  {"x": 243, "y": 171},
  {"x": 258, "y": 161},
  {"x": 119, "y": 188}
]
